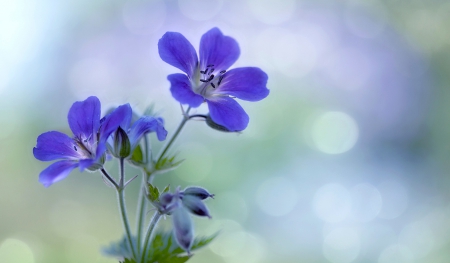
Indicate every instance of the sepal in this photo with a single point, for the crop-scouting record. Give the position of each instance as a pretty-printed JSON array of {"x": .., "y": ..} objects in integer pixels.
[
  {"x": 214, "y": 125},
  {"x": 166, "y": 164},
  {"x": 137, "y": 157}
]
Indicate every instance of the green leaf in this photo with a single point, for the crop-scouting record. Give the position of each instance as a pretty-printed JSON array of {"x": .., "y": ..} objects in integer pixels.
[
  {"x": 166, "y": 164},
  {"x": 137, "y": 157},
  {"x": 164, "y": 249},
  {"x": 153, "y": 193},
  {"x": 127, "y": 260},
  {"x": 166, "y": 189},
  {"x": 119, "y": 249}
]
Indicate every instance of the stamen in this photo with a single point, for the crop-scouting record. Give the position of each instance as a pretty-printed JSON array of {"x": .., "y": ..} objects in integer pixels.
[
  {"x": 211, "y": 71},
  {"x": 203, "y": 72},
  {"x": 204, "y": 80},
  {"x": 210, "y": 66},
  {"x": 211, "y": 77},
  {"x": 223, "y": 71},
  {"x": 220, "y": 80},
  {"x": 87, "y": 139},
  {"x": 214, "y": 86},
  {"x": 75, "y": 148}
]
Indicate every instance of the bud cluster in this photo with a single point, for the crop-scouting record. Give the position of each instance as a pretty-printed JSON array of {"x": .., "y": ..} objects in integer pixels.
[{"x": 179, "y": 204}]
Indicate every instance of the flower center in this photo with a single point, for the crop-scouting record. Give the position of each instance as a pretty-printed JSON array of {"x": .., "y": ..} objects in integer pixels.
[
  {"x": 84, "y": 147},
  {"x": 209, "y": 81}
]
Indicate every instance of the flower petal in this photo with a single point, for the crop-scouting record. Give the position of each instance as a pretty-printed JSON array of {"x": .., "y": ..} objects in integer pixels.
[
  {"x": 181, "y": 90},
  {"x": 244, "y": 83},
  {"x": 218, "y": 50},
  {"x": 56, "y": 172},
  {"x": 54, "y": 145},
  {"x": 227, "y": 112},
  {"x": 84, "y": 118},
  {"x": 177, "y": 51},
  {"x": 121, "y": 116},
  {"x": 145, "y": 125}
]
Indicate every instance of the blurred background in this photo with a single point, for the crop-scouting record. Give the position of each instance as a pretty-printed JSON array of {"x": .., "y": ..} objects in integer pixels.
[{"x": 347, "y": 160}]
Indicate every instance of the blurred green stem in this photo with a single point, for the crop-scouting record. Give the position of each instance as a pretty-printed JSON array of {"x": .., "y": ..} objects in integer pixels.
[
  {"x": 175, "y": 135},
  {"x": 123, "y": 209},
  {"x": 148, "y": 235},
  {"x": 147, "y": 176},
  {"x": 142, "y": 205}
]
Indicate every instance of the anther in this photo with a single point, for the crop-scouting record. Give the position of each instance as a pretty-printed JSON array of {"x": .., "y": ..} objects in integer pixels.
[
  {"x": 223, "y": 71},
  {"x": 220, "y": 80},
  {"x": 214, "y": 86},
  {"x": 204, "y": 80},
  {"x": 211, "y": 71},
  {"x": 210, "y": 66},
  {"x": 211, "y": 77},
  {"x": 75, "y": 148},
  {"x": 203, "y": 72}
]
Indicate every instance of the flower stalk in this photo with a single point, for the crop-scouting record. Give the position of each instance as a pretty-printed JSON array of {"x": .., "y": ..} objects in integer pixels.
[{"x": 149, "y": 234}]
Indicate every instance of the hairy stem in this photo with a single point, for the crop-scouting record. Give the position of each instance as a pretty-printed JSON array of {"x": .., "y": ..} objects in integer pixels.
[
  {"x": 175, "y": 135},
  {"x": 141, "y": 210},
  {"x": 149, "y": 233},
  {"x": 123, "y": 209}
]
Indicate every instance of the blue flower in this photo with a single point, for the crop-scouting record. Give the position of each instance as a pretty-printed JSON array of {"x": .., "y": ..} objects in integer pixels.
[
  {"x": 85, "y": 149},
  {"x": 140, "y": 127},
  {"x": 208, "y": 80}
]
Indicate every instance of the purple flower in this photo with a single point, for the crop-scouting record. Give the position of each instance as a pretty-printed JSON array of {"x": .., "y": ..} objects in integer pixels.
[
  {"x": 208, "y": 80},
  {"x": 140, "y": 127},
  {"x": 87, "y": 146}
]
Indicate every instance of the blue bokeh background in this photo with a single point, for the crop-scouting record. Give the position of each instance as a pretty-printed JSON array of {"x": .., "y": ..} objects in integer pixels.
[{"x": 347, "y": 160}]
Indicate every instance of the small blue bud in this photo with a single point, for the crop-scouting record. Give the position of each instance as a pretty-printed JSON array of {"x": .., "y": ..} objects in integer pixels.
[
  {"x": 198, "y": 192},
  {"x": 195, "y": 205},
  {"x": 182, "y": 228}
]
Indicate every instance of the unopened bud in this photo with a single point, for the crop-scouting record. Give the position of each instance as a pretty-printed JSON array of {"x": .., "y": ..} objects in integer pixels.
[
  {"x": 122, "y": 147},
  {"x": 198, "y": 192},
  {"x": 195, "y": 206},
  {"x": 182, "y": 228}
]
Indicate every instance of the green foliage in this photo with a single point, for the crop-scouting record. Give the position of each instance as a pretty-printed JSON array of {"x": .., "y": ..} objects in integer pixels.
[
  {"x": 137, "y": 157},
  {"x": 166, "y": 189},
  {"x": 119, "y": 249},
  {"x": 164, "y": 249},
  {"x": 166, "y": 164},
  {"x": 153, "y": 193}
]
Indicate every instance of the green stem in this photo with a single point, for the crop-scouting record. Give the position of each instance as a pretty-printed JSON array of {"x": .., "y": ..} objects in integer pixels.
[
  {"x": 175, "y": 135},
  {"x": 123, "y": 209},
  {"x": 141, "y": 211},
  {"x": 148, "y": 235},
  {"x": 147, "y": 176}
]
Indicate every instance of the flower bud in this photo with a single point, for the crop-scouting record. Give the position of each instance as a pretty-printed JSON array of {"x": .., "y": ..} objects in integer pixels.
[
  {"x": 198, "y": 192},
  {"x": 214, "y": 125},
  {"x": 195, "y": 205},
  {"x": 122, "y": 147},
  {"x": 182, "y": 228}
]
